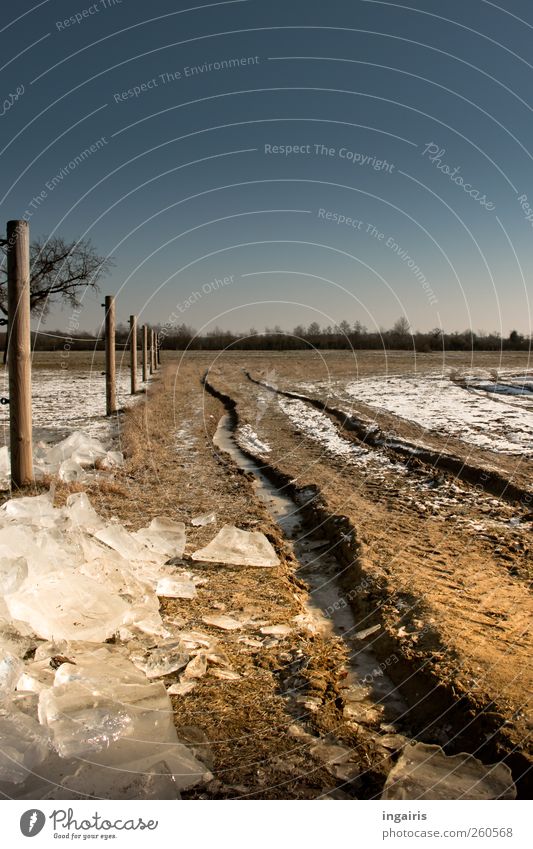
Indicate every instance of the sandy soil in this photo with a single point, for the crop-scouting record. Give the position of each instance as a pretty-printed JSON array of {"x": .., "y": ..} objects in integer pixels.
[
  {"x": 440, "y": 566},
  {"x": 448, "y": 578}
]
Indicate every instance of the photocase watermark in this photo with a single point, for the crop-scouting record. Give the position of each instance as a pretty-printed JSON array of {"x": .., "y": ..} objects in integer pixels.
[
  {"x": 379, "y": 670},
  {"x": 51, "y": 184},
  {"x": 435, "y": 155},
  {"x": 73, "y": 326},
  {"x": 89, "y": 11},
  {"x": 32, "y": 822},
  {"x": 65, "y": 825},
  {"x": 526, "y": 208},
  {"x": 11, "y": 99},
  {"x": 184, "y": 73},
  {"x": 182, "y": 307},
  {"x": 355, "y": 157},
  {"x": 369, "y": 229}
]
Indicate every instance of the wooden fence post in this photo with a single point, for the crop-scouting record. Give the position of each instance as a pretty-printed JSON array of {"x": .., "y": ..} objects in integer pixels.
[
  {"x": 158, "y": 350},
  {"x": 19, "y": 352},
  {"x": 110, "y": 363},
  {"x": 145, "y": 353},
  {"x": 151, "y": 351},
  {"x": 133, "y": 353}
]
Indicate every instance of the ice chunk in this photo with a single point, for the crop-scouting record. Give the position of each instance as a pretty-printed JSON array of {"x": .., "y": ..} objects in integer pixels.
[
  {"x": 70, "y": 471},
  {"x": 235, "y": 547},
  {"x": 176, "y": 588},
  {"x": 83, "y": 721},
  {"x": 37, "y": 510},
  {"x": 101, "y": 782},
  {"x": 119, "y": 539},
  {"x": 10, "y": 668},
  {"x": 169, "y": 656},
  {"x": 425, "y": 772},
  {"x": 23, "y": 744},
  {"x": 276, "y": 630},
  {"x": 182, "y": 688},
  {"x": 204, "y": 519},
  {"x": 36, "y": 676},
  {"x": 79, "y": 447},
  {"x": 225, "y": 674},
  {"x": 68, "y": 605},
  {"x": 112, "y": 459},
  {"x": 163, "y": 536},
  {"x": 197, "y": 667},
  {"x": 13, "y": 571},
  {"x": 81, "y": 512},
  {"x": 226, "y": 623}
]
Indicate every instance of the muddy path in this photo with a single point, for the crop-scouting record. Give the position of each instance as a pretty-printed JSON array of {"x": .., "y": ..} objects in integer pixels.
[
  {"x": 268, "y": 731},
  {"x": 442, "y": 601}
]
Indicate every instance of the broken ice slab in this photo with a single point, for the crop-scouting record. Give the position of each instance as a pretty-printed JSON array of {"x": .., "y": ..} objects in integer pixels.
[
  {"x": 276, "y": 630},
  {"x": 101, "y": 782},
  {"x": 36, "y": 509},
  {"x": 13, "y": 571},
  {"x": 23, "y": 743},
  {"x": 79, "y": 447},
  {"x": 204, "y": 519},
  {"x": 235, "y": 547},
  {"x": 68, "y": 605},
  {"x": 175, "y": 588},
  {"x": 225, "y": 674},
  {"x": 83, "y": 721},
  {"x": 71, "y": 472},
  {"x": 126, "y": 544},
  {"x": 426, "y": 772},
  {"x": 169, "y": 656},
  {"x": 11, "y": 667},
  {"x": 36, "y": 676},
  {"x": 197, "y": 667},
  {"x": 112, "y": 459},
  {"x": 226, "y": 623},
  {"x": 81, "y": 513},
  {"x": 182, "y": 688},
  {"x": 163, "y": 536}
]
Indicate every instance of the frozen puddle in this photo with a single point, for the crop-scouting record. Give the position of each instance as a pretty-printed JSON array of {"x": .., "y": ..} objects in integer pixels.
[
  {"x": 369, "y": 694},
  {"x": 328, "y": 611}
]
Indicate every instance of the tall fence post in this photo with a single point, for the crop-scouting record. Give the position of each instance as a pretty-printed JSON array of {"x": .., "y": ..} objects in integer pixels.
[
  {"x": 110, "y": 363},
  {"x": 151, "y": 351},
  {"x": 158, "y": 350},
  {"x": 133, "y": 353},
  {"x": 19, "y": 352},
  {"x": 145, "y": 353}
]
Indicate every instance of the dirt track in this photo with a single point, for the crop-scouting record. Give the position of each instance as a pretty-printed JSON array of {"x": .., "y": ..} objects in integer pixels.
[
  {"x": 453, "y": 600},
  {"x": 451, "y": 597}
]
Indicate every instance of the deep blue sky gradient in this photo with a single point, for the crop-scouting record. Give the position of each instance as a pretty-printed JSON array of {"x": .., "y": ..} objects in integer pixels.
[{"x": 181, "y": 191}]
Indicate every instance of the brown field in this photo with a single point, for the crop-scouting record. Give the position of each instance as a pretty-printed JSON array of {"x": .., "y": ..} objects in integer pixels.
[{"x": 435, "y": 556}]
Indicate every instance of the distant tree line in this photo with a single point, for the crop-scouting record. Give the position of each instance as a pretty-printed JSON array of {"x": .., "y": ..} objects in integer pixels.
[{"x": 344, "y": 336}]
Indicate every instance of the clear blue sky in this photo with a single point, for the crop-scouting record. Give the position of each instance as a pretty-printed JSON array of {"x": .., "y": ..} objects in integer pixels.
[{"x": 413, "y": 121}]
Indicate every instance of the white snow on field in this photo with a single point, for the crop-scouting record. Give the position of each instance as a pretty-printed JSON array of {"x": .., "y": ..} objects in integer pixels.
[
  {"x": 68, "y": 400},
  {"x": 476, "y": 410},
  {"x": 249, "y": 441},
  {"x": 318, "y": 427}
]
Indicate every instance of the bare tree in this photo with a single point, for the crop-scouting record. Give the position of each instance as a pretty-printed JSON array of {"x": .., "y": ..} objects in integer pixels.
[{"x": 59, "y": 272}]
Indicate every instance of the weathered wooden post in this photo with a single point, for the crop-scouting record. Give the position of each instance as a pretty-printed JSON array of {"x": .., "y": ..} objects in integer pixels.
[
  {"x": 152, "y": 369},
  {"x": 110, "y": 363},
  {"x": 133, "y": 353},
  {"x": 158, "y": 350},
  {"x": 19, "y": 352},
  {"x": 145, "y": 353}
]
